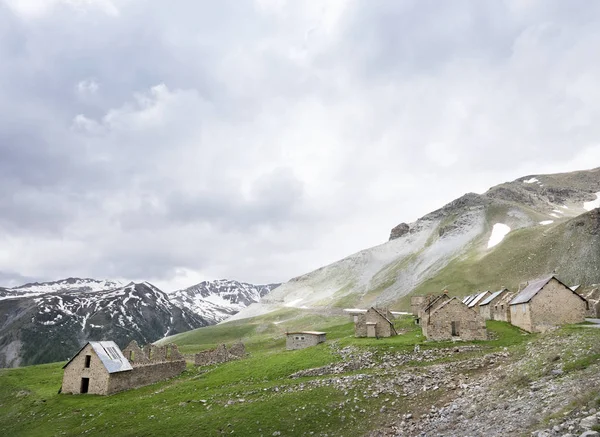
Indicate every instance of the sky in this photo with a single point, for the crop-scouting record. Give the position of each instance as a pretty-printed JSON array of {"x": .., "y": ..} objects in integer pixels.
[{"x": 258, "y": 140}]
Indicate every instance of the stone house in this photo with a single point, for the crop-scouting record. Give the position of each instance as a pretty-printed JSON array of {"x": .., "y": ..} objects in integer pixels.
[
  {"x": 487, "y": 306},
  {"x": 100, "y": 367},
  {"x": 375, "y": 323},
  {"x": 430, "y": 304},
  {"x": 501, "y": 308},
  {"x": 303, "y": 339},
  {"x": 546, "y": 303},
  {"x": 454, "y": 320}
]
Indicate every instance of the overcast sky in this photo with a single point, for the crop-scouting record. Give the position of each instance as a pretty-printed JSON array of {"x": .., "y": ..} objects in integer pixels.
[{"x": 258, "y": 140}]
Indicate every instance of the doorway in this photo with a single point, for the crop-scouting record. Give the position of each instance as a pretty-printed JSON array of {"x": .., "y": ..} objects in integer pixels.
[
  {"x": 454, "y": 326},
  {"x": 85, "y": 385}
]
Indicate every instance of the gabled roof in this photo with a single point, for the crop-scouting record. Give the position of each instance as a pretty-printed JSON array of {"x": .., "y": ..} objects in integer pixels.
[
  {"x": 448, "y": 302},
  {"x": 434, "y": 301},
  {"x": 491, "y": 297},
  {"x": 110, "y": 355},
  {"x": 534, "y": 288},
  {"x": 477, "y": 299},
  {"x": 385, "y": 317}
]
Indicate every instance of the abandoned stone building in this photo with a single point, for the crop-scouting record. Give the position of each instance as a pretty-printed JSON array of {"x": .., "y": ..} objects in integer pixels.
[
  {"x": 100, "y": 367},
  {"x": 454, "y": 320},
  {"x": 546, "y": 303},
  {"x": 501, "y": 309},
  {"x": 302, "y": 339},
  {"x": 416, "y": 304},
  {"x": 375, "y": 323},
  {"x": 430, "y": 303},
  {"x": 487, "y": 307},
  {"x": 220, "y": 354}
]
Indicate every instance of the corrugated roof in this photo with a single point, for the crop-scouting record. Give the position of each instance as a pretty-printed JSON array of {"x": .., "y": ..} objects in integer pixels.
[
  {"x": 491, "y": 297},
  {"x": 110, "y": 355},
  {"x": 470, "y": 299},
  {"x": 466, "y": 298},
  {"x": 477, "y": 299},
  {"x": 532, "y": 289}
]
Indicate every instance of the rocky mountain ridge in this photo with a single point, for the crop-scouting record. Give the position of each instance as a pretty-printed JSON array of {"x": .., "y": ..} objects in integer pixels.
[
  {"x": 545, "y": 222},
  {"x": 44, "y": 322}
]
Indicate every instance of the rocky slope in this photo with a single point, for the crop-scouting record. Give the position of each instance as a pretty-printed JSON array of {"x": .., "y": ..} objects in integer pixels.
[
  {"x": 45, "y": 322},
  {"x": 546, "y": 222}
]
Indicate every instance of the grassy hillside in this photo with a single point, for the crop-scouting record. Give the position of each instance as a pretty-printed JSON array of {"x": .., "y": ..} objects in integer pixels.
[
  {"x": 254, "y": 396},
  {"x": 570, "y": 248}
]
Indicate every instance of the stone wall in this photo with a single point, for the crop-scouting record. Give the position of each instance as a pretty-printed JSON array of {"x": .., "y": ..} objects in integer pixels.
[
  {"x": 301, "y": 340},
  {"x": 556, "y": 305},
  {"x": 416, "y": 303},
  {"x": 145, "y": 374},
  {"x": 220, "y": 355},
  {"x": 380, "y": 321},
  {"x": 76, "y": 370},
  {"x": 454, "y": 320}
]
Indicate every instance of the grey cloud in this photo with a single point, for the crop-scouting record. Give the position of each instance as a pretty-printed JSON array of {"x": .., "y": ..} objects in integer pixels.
[{"x": 258, "y": 143}]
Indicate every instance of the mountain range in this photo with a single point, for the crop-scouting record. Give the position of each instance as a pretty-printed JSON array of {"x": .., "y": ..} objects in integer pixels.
[
  {"x": 50, "y": 321},
  {"x": 514, "y": 232}
]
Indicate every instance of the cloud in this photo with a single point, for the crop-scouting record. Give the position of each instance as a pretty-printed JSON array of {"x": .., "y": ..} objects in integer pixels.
[{"x": 257, "y": 140}]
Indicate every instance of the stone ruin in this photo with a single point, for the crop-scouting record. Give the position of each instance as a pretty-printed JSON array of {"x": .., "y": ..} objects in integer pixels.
[
  {"x": 221, "y": 354},
  {"x": 151, "y": 354}
]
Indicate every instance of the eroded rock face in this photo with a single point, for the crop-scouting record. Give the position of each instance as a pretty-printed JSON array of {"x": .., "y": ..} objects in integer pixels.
[{"x": 399, "y": 231}]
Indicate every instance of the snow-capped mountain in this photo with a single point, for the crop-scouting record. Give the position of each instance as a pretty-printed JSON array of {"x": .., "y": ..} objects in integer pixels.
[
  {"x": 50, "y": 321},
  {"x": 64, "y": 285},
  {"x": 220, "y": 299}
]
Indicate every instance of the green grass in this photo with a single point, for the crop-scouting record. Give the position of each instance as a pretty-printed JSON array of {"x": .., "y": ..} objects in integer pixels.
[{"x": 250, "y": 397}]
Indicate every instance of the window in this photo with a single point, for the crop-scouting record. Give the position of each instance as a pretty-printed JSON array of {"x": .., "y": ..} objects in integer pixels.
[
  {"x": 302, "y": 338},
  {"x": 88, "y": 360}
]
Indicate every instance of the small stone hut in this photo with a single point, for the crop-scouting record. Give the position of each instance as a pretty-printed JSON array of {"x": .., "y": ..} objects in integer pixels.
[
  {"x": 454, "y": 320},
  {"x": 545, "y": 303},
  {"x": 487, "y": 306},
  {"x": 100, "y": 367},
  {"x": 303, "y": 339},
  {"x": 375, "y": 323}
]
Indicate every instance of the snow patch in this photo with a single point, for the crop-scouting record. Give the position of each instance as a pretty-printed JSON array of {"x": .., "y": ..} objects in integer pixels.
[
  {"x": 530, "y": 181},
  {"x": 554, "y": 215},
  {"x": 293, "y": 303},
  {"x": 499, "y": 231},
  {"x": 546, "y": 222},
  {"x": 588, "y": 206}
]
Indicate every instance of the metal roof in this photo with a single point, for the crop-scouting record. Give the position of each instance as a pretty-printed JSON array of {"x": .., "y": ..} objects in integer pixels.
[
  {"x": 477, "y": 299},
  {"x": 110, "y": 355},
  {"x": 491, "y": 297},
  {"x": 466, "y": 298},
  {"x": 469, "y": 299},
  {"x": 531, "y": 290},
  {"x": 534, "y": 288}
]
